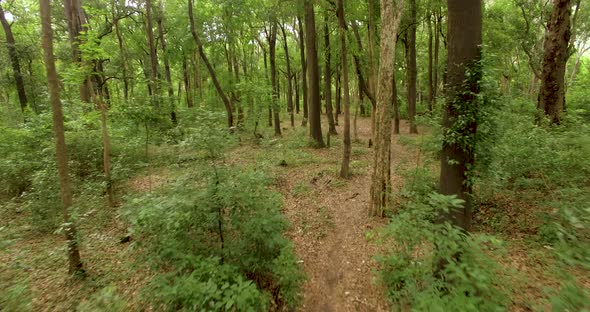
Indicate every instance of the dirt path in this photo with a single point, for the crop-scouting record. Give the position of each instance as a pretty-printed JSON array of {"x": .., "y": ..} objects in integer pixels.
[{"x": 330, "y": 224}]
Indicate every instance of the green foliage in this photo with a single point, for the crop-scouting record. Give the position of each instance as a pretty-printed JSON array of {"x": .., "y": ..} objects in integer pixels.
[
  {"x": 413, "y": 270},
  {"x": 106, "y": 300},
  {"x": 15, "y": 297}
]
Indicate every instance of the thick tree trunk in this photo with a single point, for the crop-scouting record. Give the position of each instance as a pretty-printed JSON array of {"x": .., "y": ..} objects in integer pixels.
[
  {"x": 347, "y": 148},
  {"x": 551, "y": 100},
  {"x": 315, "y": 123},
  {"x": 289, "y": 78},
  {"x": 13, "y": 55},
  {"x": 381, "y": 176},
  {"x": 328, "y": 77},
  {"x": 303, "y": 73},
  {"x": 220, "y": 92},
  {"x": 412, "y": 68},
  {"x": 463, "y": 77},
  {"x": 76, "y": 21},
  {"x": 75, "y": 264}
]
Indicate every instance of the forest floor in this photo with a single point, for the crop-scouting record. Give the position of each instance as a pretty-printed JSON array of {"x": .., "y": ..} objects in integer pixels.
[{"x": 330, "y": 230}]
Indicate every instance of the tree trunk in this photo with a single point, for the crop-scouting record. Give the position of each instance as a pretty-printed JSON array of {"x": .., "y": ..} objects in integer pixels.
[
  {"x": 122, "y": 52},
  {"x": 328, "y": 77},
  {"x": 167, "y": 67},
  {"x": 381, "y": 177},
  {"x": 289, "y": 78},
  {"x": 430, "y": 66},
  {"x": 463, "y": 78},
  {"x": 296, "y": 87},
  {"x": 551, "y": 100},
  {"x": 437, "y": 27},
  {"x": 412, "y": 68},
  {"x": 187, "y": 84},
  {"x": 338, "y": 99},
  {"x": 76, "y": 21},
  {"x": 153, "y": 53},
  {"x": 303, "y": 73},
  {"x": 75, "y": 264},
  {"x": 395, "y": 107},
  {"x": 347, "y": 148},
  {"x": 315, "y": 123},
  {"x": 220, "y": 92},
  {"x": 13, "y": 55},
  {"x": 272, "y": 44}
]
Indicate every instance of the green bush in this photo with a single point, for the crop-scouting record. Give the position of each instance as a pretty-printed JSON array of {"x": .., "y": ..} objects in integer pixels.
[
  {"x": 106, "y": 300},
  {"x": 224, "y": 215},
  {"x": 412, "y": 270}
]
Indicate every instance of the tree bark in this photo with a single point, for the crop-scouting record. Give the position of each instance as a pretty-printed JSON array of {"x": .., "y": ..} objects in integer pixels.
[
  {"x": 13, "y": 55},
  {"x": 76, "y": 21},
  {"x": 220, "y": 92},
  {"x": 463, "y": 78},
  {"x": 412, "y": 68},
  {"x": 381, "y": 176},
  {"x": 74, "y": 261},
  {"x": 347, "y": 148},
  {"x": 187, "y": 84},
  {"x": 303, "y": 73},
  {"x": 430, "y": 66},
  {"x": 153, "y": 53},
  {"x": 315, "y": 124},
  {"x": 167, "y": 71},
  {"x": 272, "y": 44},
  {"x": 551, "y": 100},
  {"x": 328, "y": 77},
  {"x": 289, "y": 78}
]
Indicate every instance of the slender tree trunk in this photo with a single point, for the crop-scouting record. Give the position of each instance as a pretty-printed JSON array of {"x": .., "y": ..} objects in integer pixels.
[
  {"x": 412, "y": 68},
  {"x": 220, "y": 92},
  {"x": 463, "y": 77},
  {"x": 13, "y": 55},
  {"x": 430, "y": 66},
  {"x": 153, "y": 54},
  {"x": 187, "y": 84},
  {"x": 303, "y": 73},
  {"x": 122, "y": 52},
  {"x": 296, "y": 87},
  {"x": 167, "y": 71},
  {"x": 272, "y": 43},
  {"x": 551, "y": 100},
  {"x": 395, "y": 107},
  {"x": 315, "y": 123},
  {"x": 289, "y": 78},
  {"x": 328, "y": 77},
  {"x": 437, "y": 23},
  {"x": 373, "y": 10},
  {"x": 381, "y": 177},
  {"x": 338, "y": 99},
  {"x": 75, "y": 263},
  {"x": 347, "y": 148}
]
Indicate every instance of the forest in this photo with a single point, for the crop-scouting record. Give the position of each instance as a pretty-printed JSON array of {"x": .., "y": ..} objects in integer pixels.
[{"x": 294, "y": 155}]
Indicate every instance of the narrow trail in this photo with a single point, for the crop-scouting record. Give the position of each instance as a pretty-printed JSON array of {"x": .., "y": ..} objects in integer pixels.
[{"x": 330, "y": 224}]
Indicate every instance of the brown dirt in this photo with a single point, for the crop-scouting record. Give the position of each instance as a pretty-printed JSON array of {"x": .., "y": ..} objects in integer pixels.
[{"x": 330, "y": 223}]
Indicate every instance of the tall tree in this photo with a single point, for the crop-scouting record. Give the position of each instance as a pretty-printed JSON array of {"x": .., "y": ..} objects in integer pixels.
[
  {"x": 271, "y": 37},
  {"x": 459, "y": 122},
  {"x": 75, "y": 264},
  {"x": 328, "y": 77},
  {"x": 167, "y": 71},
  {"x": 220, "y": 92},
  {"x": 14, "y": 61},
  {"x": 347, "y": 148},
  {"x": 76, "y": 27},
  {"x": 313, "y": 75},
  {"x": 289, "y": 77},
  {"x": 430, "y": 65},
  {"x": 304, "y": 72},
  {"x": 551, "y": 99},
  {"x": 412, "y": 68},
  {"x": 153, "y": 52},
  {"x": 381, "y": 175}
]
